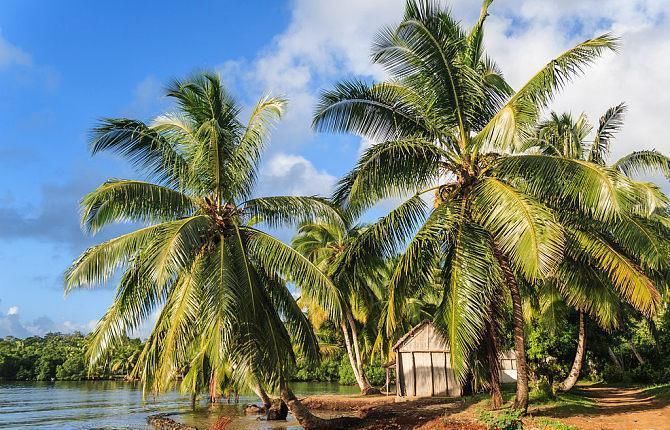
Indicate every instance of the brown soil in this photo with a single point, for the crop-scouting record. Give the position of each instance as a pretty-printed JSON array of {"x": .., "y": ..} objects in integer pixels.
[
  {"x": 616, "y": 409},
  {"x": 382, "y": 412},
  {"x": 335, "y": 402}
]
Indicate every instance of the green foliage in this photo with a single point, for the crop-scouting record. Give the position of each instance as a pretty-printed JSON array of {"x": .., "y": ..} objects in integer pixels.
[
  {"x": 72, "y": 369},
  {"x": 376, "y": 373},
  {"x": 327, "y": 370},
  {"x": 550, "y": 352},
  {"x": 549, "y": 424},
  {"x": 61, "y": 357},
  {"x": 202, "y": 259},
  {"x": 507, "y": 419},
  {"x": 346, "y": 372}
]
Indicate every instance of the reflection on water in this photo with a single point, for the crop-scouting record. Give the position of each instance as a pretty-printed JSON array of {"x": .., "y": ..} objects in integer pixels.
[{"x": 119, "y": 405}]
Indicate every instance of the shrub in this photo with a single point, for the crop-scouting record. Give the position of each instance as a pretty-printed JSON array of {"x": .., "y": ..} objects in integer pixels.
[
  {"x": 548, "y": 424},
  {"x": 508, "y": 419},
  {"x": 614, "y": 375},
  {"x": 346, "y": 372}
]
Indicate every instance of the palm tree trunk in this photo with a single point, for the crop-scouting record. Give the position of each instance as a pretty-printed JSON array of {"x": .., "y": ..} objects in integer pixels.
[
  {"x": 308, "y": 420},
  {"x": 635, "y": 351},
  {"x": 260, "y": 392},
  {"x": 491, "y": 346},
  {"x": 521, "y": 400},
  {"x": 573, "y": 376},
  {"x": 364, "y": 384},
  {"x": 352, "y": 358},
  {"x": 299, "y": 411},
  {"x": 614, "y": 358}
]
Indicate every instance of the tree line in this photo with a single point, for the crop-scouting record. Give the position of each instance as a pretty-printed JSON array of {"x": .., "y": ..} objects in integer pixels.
[
  {"x": 507, "y": 220},
  {"x": 62, "y": 357}
]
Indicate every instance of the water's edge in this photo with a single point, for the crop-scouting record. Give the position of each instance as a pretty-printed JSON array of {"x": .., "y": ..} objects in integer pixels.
[{"x": 118, "y": 405}]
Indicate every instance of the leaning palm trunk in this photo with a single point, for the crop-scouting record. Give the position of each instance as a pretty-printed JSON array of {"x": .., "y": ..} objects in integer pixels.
[
  {"x": 262, "y": 394},
  {"x": 299, "y": 411},
  {"x": 635, "y": 352},
  {"x": 354, "y": 360},
  {"x": 362, "y": 379},
  {"x": 615, "y": 359},
  {"x": 573, "y": 376},
  {"x": 308, "y": 420},
  {"x": 521, "y": 400}
]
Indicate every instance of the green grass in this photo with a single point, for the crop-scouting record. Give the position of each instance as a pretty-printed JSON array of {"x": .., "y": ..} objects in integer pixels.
[
  {"x": 660, "y": 392},
  {"x": 549, "y": 424}
]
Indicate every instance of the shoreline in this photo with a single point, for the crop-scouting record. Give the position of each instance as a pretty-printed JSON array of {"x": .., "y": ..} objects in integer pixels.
[{"x": 374, "y": 412}]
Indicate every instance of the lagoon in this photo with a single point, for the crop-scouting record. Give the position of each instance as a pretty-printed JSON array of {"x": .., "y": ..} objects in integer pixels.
[{"x": 116, "y": 405}]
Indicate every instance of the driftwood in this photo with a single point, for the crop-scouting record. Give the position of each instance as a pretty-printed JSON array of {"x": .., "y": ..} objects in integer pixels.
[
  {"x": 253, "y": 409},
  {"x": 164, "y": 422}
]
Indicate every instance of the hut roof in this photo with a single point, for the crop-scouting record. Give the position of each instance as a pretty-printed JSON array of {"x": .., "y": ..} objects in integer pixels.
[{"x": 414, "y": 330}]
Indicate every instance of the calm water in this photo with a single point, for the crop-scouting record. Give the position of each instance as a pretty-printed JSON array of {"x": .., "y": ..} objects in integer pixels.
[{"x": 119, "y": 405}]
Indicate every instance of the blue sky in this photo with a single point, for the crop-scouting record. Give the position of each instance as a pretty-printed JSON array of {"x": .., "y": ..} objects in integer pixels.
[{"x": 65, "y": 64}]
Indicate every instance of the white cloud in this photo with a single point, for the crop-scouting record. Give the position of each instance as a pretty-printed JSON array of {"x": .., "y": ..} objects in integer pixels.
[
  {"x": 11, "y": 55},
  {"x": 148, "y": 98},
  {"x": 293, "y": 175},
  {"x": 637, "y": 75},
  {"x": 13, "y": 324},
  {"x": 331, "y": 40}
]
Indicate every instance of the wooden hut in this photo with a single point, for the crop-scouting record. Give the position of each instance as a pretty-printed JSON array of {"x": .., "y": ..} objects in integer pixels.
[
  {"x": 423, "y": 365},
  {"x": 507, "y": 367}
]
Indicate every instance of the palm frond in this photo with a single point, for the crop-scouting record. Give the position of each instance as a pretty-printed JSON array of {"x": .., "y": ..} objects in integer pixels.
[
  {"x": 627, "y": 277},
  {"x": 643, "y": 162},
  {"x": 524, "y": 229},
  {"x": 144, "y": 147},
  {"x": 389, "y": 169},
  {"x": 277, "y": 257},
  {"x": 245, "y": 157},
  {"x": 610, "y": 123},
  {"x": 379, "y": 112},
  {"x": 507, "y": 128},
  {"x": 97, "y": 264},
  {"x": 592, "y": 189},
  {"x": 120, "y": 200},
  {"x": 284, "y": 211},
  {"x": 472, "y": 275}
]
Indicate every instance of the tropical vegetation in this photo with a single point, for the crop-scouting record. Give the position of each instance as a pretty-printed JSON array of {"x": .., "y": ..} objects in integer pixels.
[
  {"x": 506, "y": 227},
  {"x": 447, "y": 123},
  {"x": 61, "y": 357},
  {"x": 197, "y": 256}
]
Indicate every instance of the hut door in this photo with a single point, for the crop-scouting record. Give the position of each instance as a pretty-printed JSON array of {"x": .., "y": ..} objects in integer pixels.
[
  {"x": 439, "y": 374},
  {"x": 424, "y": 374},
  {"x": 408, "y": 373}
]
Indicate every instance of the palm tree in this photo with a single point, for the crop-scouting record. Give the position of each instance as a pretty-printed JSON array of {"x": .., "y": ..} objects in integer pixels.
[
  {"x": 445, "y": 122},
  {"x": 640, "y": 240},
  {"x": 323, "y": 244},
  {"x": 197, "y": 257}
]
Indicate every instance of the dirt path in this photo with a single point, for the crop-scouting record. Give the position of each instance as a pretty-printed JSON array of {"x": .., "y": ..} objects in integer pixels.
[{"x": 616, "y": 409}]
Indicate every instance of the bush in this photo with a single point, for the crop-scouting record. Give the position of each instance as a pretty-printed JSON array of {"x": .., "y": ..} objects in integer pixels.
[
  {"x": 326, "y": 371},
  {"x": 543, "y": 391},
  {"x": 346, "y": 373},
  {"x": 376, "y": 373},
  {"x": 614, "y": 375},
  {"x": 509, "y": 419}
]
